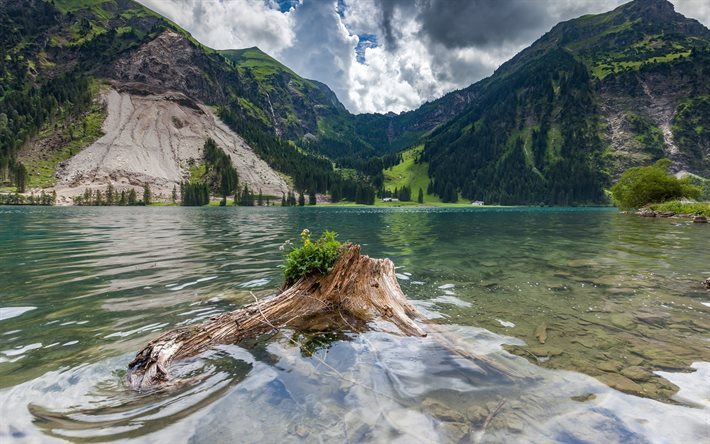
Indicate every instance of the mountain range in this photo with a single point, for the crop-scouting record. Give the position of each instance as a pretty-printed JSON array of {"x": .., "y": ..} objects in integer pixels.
[{"x": 94, "y": 92}]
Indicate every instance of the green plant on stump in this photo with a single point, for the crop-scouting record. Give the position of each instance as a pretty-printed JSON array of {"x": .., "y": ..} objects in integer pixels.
[{"x": 312, "y": 256}]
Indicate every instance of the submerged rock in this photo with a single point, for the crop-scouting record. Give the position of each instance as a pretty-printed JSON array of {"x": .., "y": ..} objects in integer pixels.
[
  {"x": 636, "y": 373},
  {"x": 541, "y": 332},
  {"x": 700, "y": 220},
  {"x": 442, "y": 412},
  {"x": 609, "y": 366},
  {"x": 585, "y": 397},
  {"x": 621, "y": 383},
  {"x": 655, "y": 319}
]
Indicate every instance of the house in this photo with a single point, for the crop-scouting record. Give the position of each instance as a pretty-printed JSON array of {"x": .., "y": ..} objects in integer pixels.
[{"x": 478, "y": 203}]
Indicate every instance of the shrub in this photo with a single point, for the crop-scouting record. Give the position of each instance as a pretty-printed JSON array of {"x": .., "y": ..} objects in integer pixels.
[
  {"x": 641, "y": 186},
  {"x": 312, "y": 256}
]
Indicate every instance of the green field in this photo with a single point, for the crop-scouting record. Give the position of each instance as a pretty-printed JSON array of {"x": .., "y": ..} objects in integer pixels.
[{"x": 410, "y": 174}]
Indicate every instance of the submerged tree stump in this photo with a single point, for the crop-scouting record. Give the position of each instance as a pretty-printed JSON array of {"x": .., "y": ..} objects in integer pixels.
[{"x": 356, "y": 291}]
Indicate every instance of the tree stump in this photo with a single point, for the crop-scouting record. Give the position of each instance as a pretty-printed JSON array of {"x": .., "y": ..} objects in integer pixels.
[{"x": 356, "y": 291}]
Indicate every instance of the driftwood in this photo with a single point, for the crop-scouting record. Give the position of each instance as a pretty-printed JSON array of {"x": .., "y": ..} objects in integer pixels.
[{"x": 357, "y": 290}]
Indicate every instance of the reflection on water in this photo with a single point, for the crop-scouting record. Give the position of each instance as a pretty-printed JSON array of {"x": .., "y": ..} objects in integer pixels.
[{"x": 84, "y": 288}]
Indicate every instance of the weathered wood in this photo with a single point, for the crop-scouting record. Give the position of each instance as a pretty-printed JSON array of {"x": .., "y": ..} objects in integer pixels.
[{"x": 358, "y": 290}]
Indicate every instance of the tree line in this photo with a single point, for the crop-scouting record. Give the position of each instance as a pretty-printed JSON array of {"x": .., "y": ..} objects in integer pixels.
[
  {"x": 112, "y": 197},
  {"x": 45, "y": 199}
]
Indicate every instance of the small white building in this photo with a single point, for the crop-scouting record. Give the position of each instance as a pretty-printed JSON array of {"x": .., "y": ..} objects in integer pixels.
[{"x": 477, "y": 203}]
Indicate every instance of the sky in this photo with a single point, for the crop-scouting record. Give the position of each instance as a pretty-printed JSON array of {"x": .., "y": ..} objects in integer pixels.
[{"x": 386, "y": 55}]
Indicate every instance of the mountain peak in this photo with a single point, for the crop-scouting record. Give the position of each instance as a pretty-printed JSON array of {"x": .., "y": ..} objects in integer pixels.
[
  {"x": 661, "y": 13},
  {"x": 653, "y": 10}
]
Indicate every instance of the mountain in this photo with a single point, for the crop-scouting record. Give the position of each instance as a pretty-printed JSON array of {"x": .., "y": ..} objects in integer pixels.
[
  {"x": 94, "y": 92},
  {"x": 590, "y": 98},
  {"x": 106, "y": 91}
]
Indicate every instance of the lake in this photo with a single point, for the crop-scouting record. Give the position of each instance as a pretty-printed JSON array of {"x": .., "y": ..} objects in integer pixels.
[{"x": 626, "y": 356}]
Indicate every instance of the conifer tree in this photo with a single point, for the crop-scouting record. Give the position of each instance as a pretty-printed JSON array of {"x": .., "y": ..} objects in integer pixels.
[
  {"x": 20, "y": 178},
  {"x": 301, "y": 200},
  {"x": 88, "y": 196},
  {"x": 132, "y": 197},
  {"x": 420, "y": 197},
  {"x": 312, "y": 198},
  {"x": 147, "y": 195},
  {"x": 110, "y": 194}
]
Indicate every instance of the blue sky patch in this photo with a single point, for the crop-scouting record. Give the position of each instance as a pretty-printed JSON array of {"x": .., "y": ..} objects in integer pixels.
[{"x": 366, "y": 41}]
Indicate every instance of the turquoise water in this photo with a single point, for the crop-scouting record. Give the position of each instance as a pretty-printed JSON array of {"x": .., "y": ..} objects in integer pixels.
[{"x": 625, "y": 359}]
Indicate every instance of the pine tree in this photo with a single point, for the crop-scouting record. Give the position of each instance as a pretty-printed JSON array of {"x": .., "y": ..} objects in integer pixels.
[
  {"x": 110, "y": 194},
  {"x": 21, "y": 178},
  {"x": 123, "y": 201},
  {"x": 174, "y": 195},
  {"x": 420, "y": 197},
  {"x": 147, "y": 195},
  {"x": 132, "y": 197},
  {"x": 301, "y": 200},
  {"x": 260, "y": 199},
  {"x": 312, "y": 198},
  {"x": 88, "y": 197}
]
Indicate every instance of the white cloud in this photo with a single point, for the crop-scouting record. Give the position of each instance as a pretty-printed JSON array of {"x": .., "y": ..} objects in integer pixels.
[
  {"x": 410, "y": 64},
  {"x": 230, "y": 24}
]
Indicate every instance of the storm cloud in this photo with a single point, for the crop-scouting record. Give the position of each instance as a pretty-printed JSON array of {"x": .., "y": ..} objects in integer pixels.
[{"x": 386, "y": 55}]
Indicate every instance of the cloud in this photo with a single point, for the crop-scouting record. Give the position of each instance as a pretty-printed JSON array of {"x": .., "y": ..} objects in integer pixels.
[
  {"x": 697, "y": 9},
  {"x": 386, "y": 55},
  {"x": 231, "y": 24}
]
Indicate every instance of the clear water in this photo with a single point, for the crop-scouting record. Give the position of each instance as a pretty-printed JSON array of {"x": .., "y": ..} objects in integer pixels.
[{"x": 82, "y": 289}]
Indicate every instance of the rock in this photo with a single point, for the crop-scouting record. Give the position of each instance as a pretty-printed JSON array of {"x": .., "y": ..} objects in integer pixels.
[
  {"x": 301, "y": 431},
  {"x": 706, "y": 282},
  {"x": 655, "y": 319},
  {"x": 666, "y": 214},
  {"x": 638, "y": 374},
  {"x": 514, "y": 424},
  {"x": 646, "y": 213},
  {"x": 442, "y": 412},
  {"x": 584, "y": 398},
  {"x": 700, "y": 220},
  {"x": 621, "y": 383},
  {"x": 609, "y": 366},
  {"x": 476, "y": 414},
  {"x": 622, "y": 320},
  {"x": 545, "y": 352},
  {"x": 541, "y": 332}
]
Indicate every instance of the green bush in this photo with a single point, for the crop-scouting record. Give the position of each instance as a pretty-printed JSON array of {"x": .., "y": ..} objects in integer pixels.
[
  {"x": 641, "y": 186},
  {"x": 312, "y": 256}
]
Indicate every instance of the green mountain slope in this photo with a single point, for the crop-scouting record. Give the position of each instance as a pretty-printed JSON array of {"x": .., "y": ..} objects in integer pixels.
[
  {"x": 554, "y": 125},
  {"x": 591, "y": 97},
  {"x": 53, "y": 54}
]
